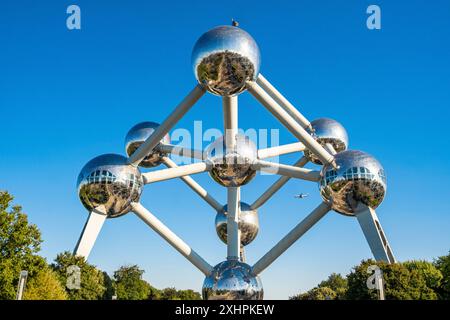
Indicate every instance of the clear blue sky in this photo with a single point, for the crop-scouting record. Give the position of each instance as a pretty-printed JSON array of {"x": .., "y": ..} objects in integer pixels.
[{"x": 68, "y": 96}]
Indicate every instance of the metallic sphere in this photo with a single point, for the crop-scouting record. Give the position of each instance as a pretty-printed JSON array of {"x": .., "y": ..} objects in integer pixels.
[
  {"x": 360, "y": 179},
  {"x": 137, "y": 135},
  {"x": 325, "y": 131},
  {"x": 248, "y": 224},
  {"x": 232, "y": 280},
  {"x": 224, "y": 58},
  {"x": 110, "y": 183},
  {"x": 232, "y": 167}
]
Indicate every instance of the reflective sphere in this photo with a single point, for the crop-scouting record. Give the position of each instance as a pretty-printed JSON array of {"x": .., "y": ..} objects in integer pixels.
[
  {"x": 248, "y": 224},
  {"x": 109, "y": 182},
  {"x": 224, "y": 58},
  {"x": 137, "y": 135},
  {"x": 359, "y": 179},
  {"x": 325, "y": 131},
  {"x": 232, "y": 167},
  {"x": 232, "y": 280}
]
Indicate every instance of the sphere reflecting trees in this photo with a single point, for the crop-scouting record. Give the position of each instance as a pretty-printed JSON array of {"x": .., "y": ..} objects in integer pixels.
[
  {"x": 136, "y": 137},
  {"x": 109, "y": 183},
  {"x": 232, "y": 280},
  {"x": 360, "y": 179},
  {"x": 224, "y": 58},
  {"x": 248, "y": 223},
  {"x": 232, "y": 166},
  {"x": 325, "y": 131}
]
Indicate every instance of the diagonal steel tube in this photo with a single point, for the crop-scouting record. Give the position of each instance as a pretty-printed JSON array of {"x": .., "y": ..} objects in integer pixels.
[
  {"x": 280, "y": 150},
  {"x": 272, "y": 106},
  {"x": 171, "y": 173},
  {"x": 276, "y": 186},
  {"x": 286, "y": 170},
  {"x": 282, "y": 101},
  {"x": 171, "y": 238},
  {"x": 165, "y": 127},
  {"x": 181, "y": 151},
  {"x": 94, "y": 223},
  {"x": 291, "y": 238},
  {"x": 195, "y": 186}
]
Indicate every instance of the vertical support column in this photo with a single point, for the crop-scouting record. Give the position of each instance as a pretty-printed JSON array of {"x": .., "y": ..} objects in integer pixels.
[
  {"x": 233, "y": 234},
  {"x": 230, "y": 119},
  {"x": 22, "y": 282},
  {"x": 374, "y": 234}
]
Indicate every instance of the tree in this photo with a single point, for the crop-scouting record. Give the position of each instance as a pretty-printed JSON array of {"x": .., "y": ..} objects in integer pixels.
[
  {"x": 129, "y": 284},
  {"x": 443, "y": 265},
  {"x": 92, "y": 280},
  {"x": 109, "y": 286},
  {"x": 188, "y": 295},
  {"x": 317, "y": 293},
  {"x": 400, "y": 283},
  {"x": 174, "y": 294},
  {"x": 337, "y": 283},
  {"x": 334, "y": 288},
  {"x": 427, "y": 270},
  {"x": 19, "y": 244},
  {"x": 45, "y": 286}
]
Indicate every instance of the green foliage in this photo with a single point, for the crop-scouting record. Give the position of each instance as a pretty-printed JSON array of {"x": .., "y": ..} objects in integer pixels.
[
  {"x": 317, "y": 293},
  {"x": 443, "y": 265},
  {"x": 427, "y": 270},
  {"x": 337, "y": 283},
  {"x": 92, "y": 280},
  {"x": 401, "y": 283},
  {"x": 45, "y": 286},
  {"x": 174, "y": 294},
  {"x": 410, "y": 280},
  {"x": 129, "y": 285},
  {"x": 109, "y": 286},
  {"x": 334, "y": 288},
  {"x": 19, "y": 244}
]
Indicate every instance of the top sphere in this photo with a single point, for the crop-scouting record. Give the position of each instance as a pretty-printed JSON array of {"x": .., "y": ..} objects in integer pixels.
[
  {"x": 359, "y": 179},
  {"x": 108, "y": 181},
  {"x": 136, "y": 137},
  {"x": 325, "y": 131},
  {"x": 224, "y": 58}
]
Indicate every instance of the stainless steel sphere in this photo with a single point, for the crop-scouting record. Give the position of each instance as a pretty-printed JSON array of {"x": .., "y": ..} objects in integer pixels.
[
  {"x": 232, "y": 167},
  {"x": 109, "y": 183},
  {"x": 325, "y": 131},
  {"x": 137, "y": 135},
  {"x": 359, "y": 179},
  {"x": 232, "y": 280},
  {"x": 224, "y": 58},
  {"x": 248, "y": 224}
]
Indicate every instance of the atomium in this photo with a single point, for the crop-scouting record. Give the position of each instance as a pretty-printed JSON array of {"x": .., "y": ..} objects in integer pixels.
[
  {"x": 232, "y": 166},
  {"x": 136, "y": 137},
  {"x": 248, "y": 223},
  {"x": 360, "y": 178},
  {"x": 224, "y": 58},
  {"x": 326, "y": 131},
  {"x": 109, "y": 182},
  {"x": 232, "y": 280},
  {"x": 226, "y": 62}
]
